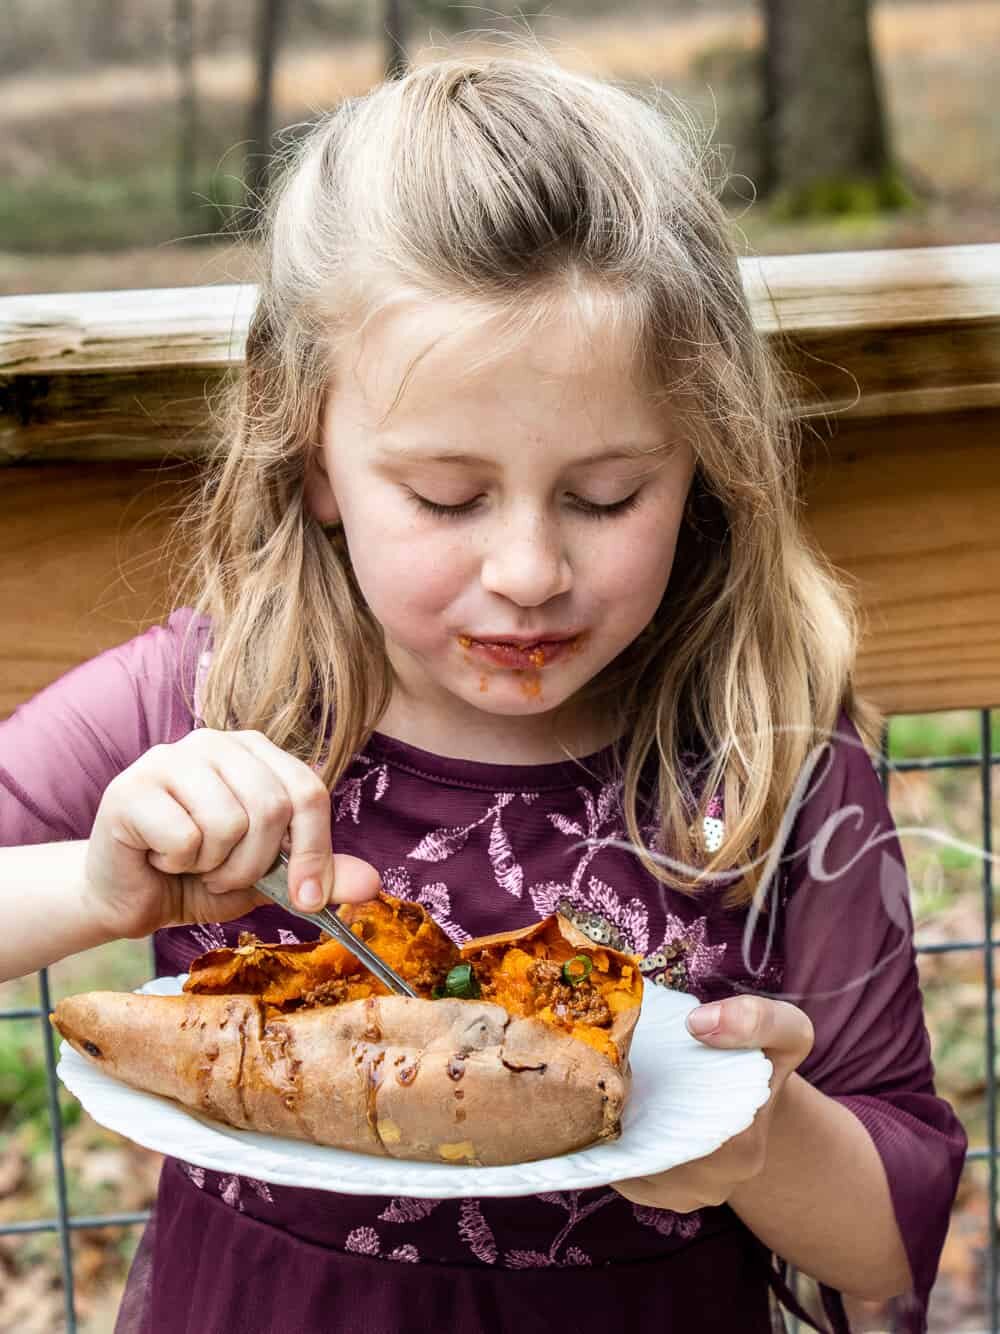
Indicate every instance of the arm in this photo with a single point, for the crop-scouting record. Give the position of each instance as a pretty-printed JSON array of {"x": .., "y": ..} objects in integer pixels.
[
  {"x": 822, "y": 1199},
  {"x": 179, "y": 822},
  {"x": 854, "y": 1156},
  {"x": 805, "y": 1176},
  {"x": 851, "y": 966},
  {"x": 58, "y": 753},
  {"x": 43, "y": 912}
]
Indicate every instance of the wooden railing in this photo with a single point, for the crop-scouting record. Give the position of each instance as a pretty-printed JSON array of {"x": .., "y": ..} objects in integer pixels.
[{"x": 104, "y": 413}]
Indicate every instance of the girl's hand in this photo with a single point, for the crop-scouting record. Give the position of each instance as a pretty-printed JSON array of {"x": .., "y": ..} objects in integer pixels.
[
  {"x": 182, "y": 833},
  {"x": 786, "y": 1034}
]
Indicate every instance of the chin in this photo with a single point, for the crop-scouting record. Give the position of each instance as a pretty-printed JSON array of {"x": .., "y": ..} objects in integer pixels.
[{"x": 512, "y": 703}]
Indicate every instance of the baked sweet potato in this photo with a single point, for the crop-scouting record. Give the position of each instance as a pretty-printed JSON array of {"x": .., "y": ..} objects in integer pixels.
[{"x": 528, "y": 1060}]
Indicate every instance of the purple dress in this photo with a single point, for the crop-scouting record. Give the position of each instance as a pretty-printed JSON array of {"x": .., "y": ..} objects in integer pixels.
[{"x": 489, "y": 847}]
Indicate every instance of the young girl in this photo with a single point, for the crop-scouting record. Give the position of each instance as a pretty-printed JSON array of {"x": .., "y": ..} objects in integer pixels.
[{"x": 503, "y": 551}]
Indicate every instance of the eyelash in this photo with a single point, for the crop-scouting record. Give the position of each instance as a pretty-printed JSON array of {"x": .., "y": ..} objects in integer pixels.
[{"x": 586, "y": 507}]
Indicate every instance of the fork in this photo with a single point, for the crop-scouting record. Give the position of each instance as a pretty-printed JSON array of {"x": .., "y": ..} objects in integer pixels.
[{"x": 274, "y": 884}]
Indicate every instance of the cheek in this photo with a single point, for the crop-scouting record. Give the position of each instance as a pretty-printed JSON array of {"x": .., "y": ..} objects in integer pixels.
[
  {"x": 630, "y": 569},
  {"x": 405, "y": 577}
]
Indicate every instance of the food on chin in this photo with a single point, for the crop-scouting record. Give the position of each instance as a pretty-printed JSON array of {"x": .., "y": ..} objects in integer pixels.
[{"x": 515, "y": 1049}]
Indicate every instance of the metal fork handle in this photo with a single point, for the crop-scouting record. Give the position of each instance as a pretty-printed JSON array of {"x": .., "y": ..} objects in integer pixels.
[{"x": 274, "y": 883}]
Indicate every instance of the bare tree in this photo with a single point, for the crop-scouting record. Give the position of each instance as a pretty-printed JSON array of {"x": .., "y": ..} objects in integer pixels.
[
  {"x": 826, "y": 139},
  {"x": 270, "y": 20},
  {"x": 107, "y": 39},
  {"x": 187, "y": 104}
]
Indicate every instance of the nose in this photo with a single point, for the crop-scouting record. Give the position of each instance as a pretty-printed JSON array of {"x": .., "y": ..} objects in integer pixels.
[{"x": 526, "y": 561}]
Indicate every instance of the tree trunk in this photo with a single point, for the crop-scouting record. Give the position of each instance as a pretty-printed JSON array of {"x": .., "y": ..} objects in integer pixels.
[
  {"x": 187, "y": 105},
  {"x": 107, "y": 41},
  {"x": 824, "y": 120},
  {"x": 270, "y": 15}
]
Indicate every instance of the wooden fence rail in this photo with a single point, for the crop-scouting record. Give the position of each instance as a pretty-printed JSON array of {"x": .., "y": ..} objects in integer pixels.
[{"x": 104, "y": 413}]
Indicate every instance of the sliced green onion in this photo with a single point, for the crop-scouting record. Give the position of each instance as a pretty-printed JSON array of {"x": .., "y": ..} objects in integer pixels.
[
  {"x": 577, "y": 969},
  {"x": 461, "y": 982}
]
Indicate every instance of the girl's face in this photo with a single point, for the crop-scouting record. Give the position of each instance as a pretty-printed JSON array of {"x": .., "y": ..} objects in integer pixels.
[{"x": 531, "y": 495}]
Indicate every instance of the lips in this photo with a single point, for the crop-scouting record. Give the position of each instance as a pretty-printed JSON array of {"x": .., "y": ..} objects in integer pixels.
[
  {"x": 520, "y": 654},
  {"x": 515, "y": 641}
]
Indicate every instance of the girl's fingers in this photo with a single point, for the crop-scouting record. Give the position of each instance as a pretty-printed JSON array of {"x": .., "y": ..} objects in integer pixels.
[
  {"x": 261, "y": 795},
  {"x": 355, "y": 880},
  {"x": 311, "y": 864},
  {"x": 243, "y": 798},
  {"x": 779, "y": 1028},
  {"x": 219, "y": 812},
  {"x": 160, "y": 827}
]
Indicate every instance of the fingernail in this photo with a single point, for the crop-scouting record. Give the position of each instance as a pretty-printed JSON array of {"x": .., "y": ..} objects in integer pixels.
[
  {"x": 704, "y": 1020},
  {"x": 310, "y": 895}
]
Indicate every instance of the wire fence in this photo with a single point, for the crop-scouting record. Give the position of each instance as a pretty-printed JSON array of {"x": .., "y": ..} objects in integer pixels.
[{"x": 66, "y": 1222}]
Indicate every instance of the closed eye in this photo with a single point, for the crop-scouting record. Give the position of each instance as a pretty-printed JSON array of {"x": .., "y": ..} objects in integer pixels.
[{"x": 587, "y": 507}]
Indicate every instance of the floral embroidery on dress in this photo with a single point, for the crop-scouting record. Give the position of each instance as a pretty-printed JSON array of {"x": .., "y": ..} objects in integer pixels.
[
  {"x": 478, "y": 1235},
  {"x": 442, "y": 843},
  {"x": 210, "y": 936},
  {"x": 573, "y": 1255},
  {"x": 476, "y": 1232},
  {"x": 230, "y": 1187},
  {"x": 603, "y": 827},
  {"x": 365, "y": 1241},
  {"x": 435, "y": 898},
  {"x": 346, "y": 796},
  {"x": 683, "y": 961},
  {"x": 667, "y": 1222},
  {"x": 406, "y": 1209},
  {"x": 195, "y": 1174}
]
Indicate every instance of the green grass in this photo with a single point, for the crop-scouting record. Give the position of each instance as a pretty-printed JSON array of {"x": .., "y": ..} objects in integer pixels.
[
  {"x": 63, "y": 212},
  {"x": 119, "y": 966},
  {"x": 23, "y": 1094},
  {"x": 956, "y": 732}
]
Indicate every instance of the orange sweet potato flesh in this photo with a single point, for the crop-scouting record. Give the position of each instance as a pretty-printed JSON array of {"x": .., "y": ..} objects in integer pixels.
[
  {"x": 520, "y": 970},
  {"x": 325, "y": 973}
]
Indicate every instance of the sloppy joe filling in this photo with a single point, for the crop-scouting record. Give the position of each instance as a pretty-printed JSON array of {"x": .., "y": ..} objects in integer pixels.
[{"x": 537, "y": 973}]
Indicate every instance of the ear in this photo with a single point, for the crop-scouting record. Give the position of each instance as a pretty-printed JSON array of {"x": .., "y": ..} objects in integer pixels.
[{"x": 316, "y": 489}]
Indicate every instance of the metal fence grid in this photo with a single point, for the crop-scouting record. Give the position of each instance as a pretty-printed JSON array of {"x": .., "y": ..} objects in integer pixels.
[{"x": 65, "y": 1223}]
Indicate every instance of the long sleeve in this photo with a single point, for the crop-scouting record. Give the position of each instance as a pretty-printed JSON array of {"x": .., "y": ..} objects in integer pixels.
[
  {"x": 851, "y": 965},
  {"x": 60, "y": 749}
]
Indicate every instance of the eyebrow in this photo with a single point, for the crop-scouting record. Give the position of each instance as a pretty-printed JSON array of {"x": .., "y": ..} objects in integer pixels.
[{"x": 627, "y": 450}]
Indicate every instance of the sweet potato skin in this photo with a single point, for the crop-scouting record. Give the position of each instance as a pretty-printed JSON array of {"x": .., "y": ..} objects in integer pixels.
[
  {"x": 457, "y": 1081},
  {"x": 302, "y": 1041}
]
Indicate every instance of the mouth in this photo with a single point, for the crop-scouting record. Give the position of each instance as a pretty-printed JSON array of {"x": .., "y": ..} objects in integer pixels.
[{"x": 521, "y": 653}]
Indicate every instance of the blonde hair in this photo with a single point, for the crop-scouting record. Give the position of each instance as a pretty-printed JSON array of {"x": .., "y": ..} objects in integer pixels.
[{"x": 506, "y": 180}]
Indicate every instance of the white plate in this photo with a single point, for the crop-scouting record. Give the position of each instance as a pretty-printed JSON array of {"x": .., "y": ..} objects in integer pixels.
[{"x": 686, "y": 1100}]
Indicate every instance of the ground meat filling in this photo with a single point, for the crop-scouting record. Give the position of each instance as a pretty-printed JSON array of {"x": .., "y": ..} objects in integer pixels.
[
  {"x": 331, "y": 992},
  {"x": 425, "y": 976},
  {"x": 411, "y": 915},
  {"x": 582, "y": 1003}
]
